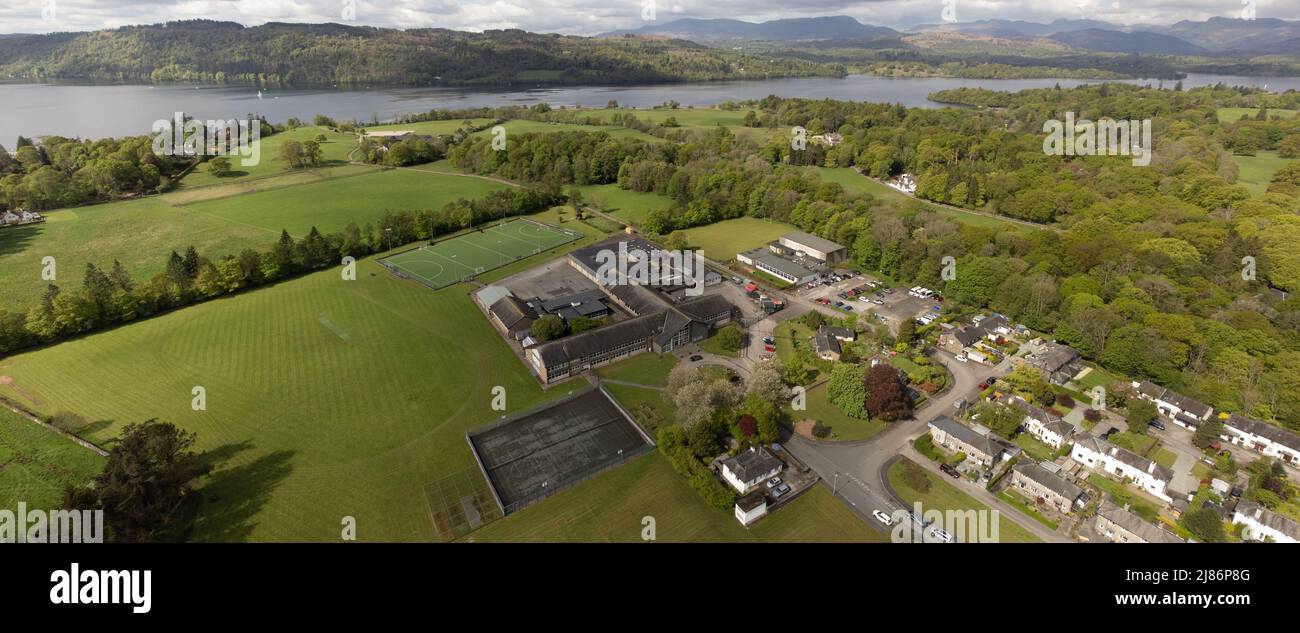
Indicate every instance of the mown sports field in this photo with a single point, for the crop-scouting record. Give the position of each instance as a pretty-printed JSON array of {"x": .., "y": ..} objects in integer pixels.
[{"x": 457, "y": 259}]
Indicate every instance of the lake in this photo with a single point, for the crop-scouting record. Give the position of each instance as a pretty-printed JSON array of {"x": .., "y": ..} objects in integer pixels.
[{"x": 95, "y": 111}]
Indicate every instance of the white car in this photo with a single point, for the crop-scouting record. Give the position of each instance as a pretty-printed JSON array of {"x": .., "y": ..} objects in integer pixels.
[
  {"x": 962, "y": 358},
  {"x": 941, "y": 535},
  {"x": 882, "y": 517}
]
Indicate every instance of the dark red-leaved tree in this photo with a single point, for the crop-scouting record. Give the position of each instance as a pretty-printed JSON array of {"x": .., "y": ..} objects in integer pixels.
[
  {"x": 886, "y": 396},
  {"x": 748, "y": 425}
]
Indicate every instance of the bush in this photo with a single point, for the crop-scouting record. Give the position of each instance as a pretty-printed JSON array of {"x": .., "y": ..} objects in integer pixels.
[
  {"x": 1092, "y": 415},
  {"x": 672, "y": 441},
  {"x": 1065, "y": 400},
  {"x": 820, "y": 431},
  {"x": 730, "y": 339},
  {"x": 925, "y": 446}
]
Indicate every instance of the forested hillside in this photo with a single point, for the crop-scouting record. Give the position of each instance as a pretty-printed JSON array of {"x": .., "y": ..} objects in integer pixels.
[{"x": 330, "y": 54}]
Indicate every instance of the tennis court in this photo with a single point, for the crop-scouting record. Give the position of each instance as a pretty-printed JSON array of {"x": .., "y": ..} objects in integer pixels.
[{"x": 460, "y": 258}]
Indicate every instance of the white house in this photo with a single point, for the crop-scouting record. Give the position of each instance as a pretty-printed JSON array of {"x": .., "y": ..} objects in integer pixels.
[
  {"x": 1045, "y": 426},
  {"x": 30, "y": 216},
  {"x": 9, "y": 217},
  {"x": 1271, "y": 440},
  {"x": 750, "y": 469},
  {"x": 1102, "y": 456},
  {"x": 1263, "y": 524},
  {"x": 1182, "y": 410},
  {"x": 751, "y": 507},
  {"x": 905, "y": 183}
]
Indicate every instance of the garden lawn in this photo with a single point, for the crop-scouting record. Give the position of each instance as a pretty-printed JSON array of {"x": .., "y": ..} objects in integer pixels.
[
  {"x": 429, "y": 128},
  {"x": 611, "y": 506},
  {"x": 1024, "y": 505},
  {"x": 36, "y": 464},
  {"x": 325, "y": 398},
  {"x": 1034, "y": 448},
  {"x": 944, "y": 496},
  {"x": 650, "y": 407},
  {"x": 522, "y": 126}
]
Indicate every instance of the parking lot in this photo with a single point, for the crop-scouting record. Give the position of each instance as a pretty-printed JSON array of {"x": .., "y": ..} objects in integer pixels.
[{"x": 893, "y": 304}]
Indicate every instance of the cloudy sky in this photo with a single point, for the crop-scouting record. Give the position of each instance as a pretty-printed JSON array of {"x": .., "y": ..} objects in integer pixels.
[{"x": 587, "y": 17}]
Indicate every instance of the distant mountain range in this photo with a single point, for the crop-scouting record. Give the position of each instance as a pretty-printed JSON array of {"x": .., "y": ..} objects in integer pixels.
[
  {"x": 838, "y": 27},
  {"x": 1212, "y": 37}
]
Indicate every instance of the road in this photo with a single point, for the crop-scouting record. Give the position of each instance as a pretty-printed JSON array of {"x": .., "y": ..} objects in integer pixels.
[{"x": 857, "y": 470}]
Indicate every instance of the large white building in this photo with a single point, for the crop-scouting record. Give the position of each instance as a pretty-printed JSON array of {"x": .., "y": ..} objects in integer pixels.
[
  {"x": 1045, "y": 426},
  {"x": 818, "y": 248},
  {"x": 1102, "y": 456}
]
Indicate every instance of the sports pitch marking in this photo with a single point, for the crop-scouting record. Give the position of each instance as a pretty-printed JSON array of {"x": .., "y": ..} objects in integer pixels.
[{"x": 516, "y": 240}]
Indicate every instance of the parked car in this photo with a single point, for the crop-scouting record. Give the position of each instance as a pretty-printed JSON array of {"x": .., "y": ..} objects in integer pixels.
[
  {"x": 848, "y": 308},
  {"x": 1109, "y": 432},
  {"x": 941, "y": 535},
  {"x": 879, "y": 302},
  {"x": 769, "y": 348},
  {"x": 950, "y": 471},
  {"x": 774, "y": 482},
  {"x": 1156, "y": 423},
  {"x": 769, "y": 340},
  {"x": 882, "y": 517},
  {"x": 780, "y": 491},
  {"x": 961, "y": 358},
  {"x": 696, "y": 358},
  {"x": 991, "y": 379}
]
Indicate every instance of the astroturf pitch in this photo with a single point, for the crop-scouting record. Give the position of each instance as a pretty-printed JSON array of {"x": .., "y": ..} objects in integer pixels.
[{"x": 459, "y": 258}]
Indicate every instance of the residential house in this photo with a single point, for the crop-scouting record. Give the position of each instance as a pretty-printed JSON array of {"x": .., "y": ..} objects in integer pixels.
[
  {"x": 1262, "y": 524},
  {"x": 827, "y": 347},
  {"x": 1121, "y": 526},
  {"x": 750, "y": 469},
  {"x": 1182, "y": 410},
  {"x": 1102, "y": 456},
  {"x": 839, "y": 333},
  {"x": 1269, "y": 439},
  {"x": 1045, "y": 426},
  {"x": 9, "y": 217},
  {"x": 1060, "y": 363},
  {"x": 962, "y": 338},
  {"x": 751, "y": 507},
  {"x": 1048, "y": 488},
  {"x": 905, "y": 183},
  {"x": 988, "y": 449}
]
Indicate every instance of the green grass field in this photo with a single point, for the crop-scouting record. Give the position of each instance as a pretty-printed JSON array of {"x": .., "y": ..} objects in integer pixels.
[
  {"x": 844, "y": 427},
  {"x": 944, "y": 496},
  {"x": 334, "y": 150},
  {"x": 36, "y": 464},
  {"x": 855, "y": 182},
  {"x": 476, "y": 252},
  {"x": 1255, "y": 172},
  {"x": 542, "y": 127},
  {"x": 623, "y": 204},
  {"x": 1232, "y": 115},
  {"x": 610, "y": 508},
  {"x": 430, "y": 128},
  {"x": 142, "y": 233},
  {"x": 326, "y": 398},
  {"x": 722, "y": 240},
  {"x": 645, "y": 369}
]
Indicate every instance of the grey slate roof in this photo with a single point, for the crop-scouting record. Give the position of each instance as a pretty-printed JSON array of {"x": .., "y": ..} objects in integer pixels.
[
  {"x": 752, "y": 463},
  {"x": 988, "y": 444},
  {"x": 1276, "y": 434},
  {"x": 513, "y": 313},
  {"x": 842, "y": 333},
  {"x": 1269, "y": 518},
  {"x": 825, "y": 343},
  {"x": 1049, "y": 480},
  {"x": 1134, "y": 524},
  {"x": 1098, "y": 445}
]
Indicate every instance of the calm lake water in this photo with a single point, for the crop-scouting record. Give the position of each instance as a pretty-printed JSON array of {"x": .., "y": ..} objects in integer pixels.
[{"x": 94, "y": 111}]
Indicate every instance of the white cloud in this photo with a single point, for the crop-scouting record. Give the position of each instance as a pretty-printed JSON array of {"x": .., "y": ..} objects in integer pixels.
[{"x": 587, "y": 17}]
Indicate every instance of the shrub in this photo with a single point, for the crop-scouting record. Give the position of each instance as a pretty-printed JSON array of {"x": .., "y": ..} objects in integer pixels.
[
  {"x": 1065, "y": 400},
  {"x": 925, "y": 446},
  {"x": 748, "y": 425},
  {"x": 1092, "y": 415},
  {"x": 820, "y": 431}
]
